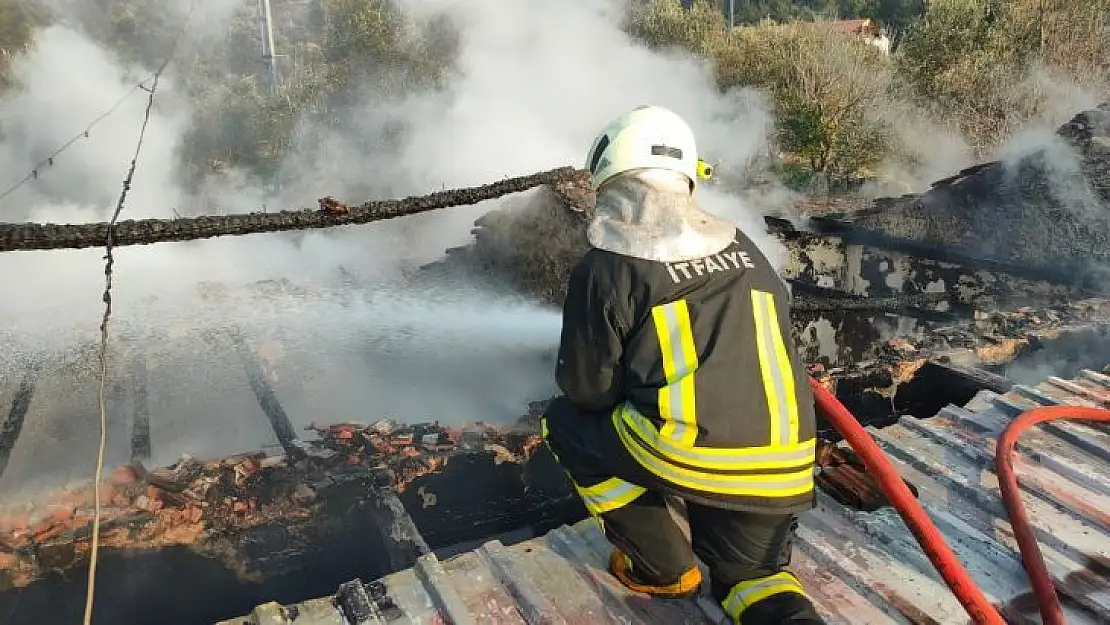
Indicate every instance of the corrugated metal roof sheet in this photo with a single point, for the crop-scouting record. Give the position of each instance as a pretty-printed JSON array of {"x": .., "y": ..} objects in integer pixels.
[{"x": 859, "y": 567}]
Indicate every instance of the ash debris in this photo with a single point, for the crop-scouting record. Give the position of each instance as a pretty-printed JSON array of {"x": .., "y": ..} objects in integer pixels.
[
  {"x": 211, "y": 506},
  {"x": 527, "y": 246}
]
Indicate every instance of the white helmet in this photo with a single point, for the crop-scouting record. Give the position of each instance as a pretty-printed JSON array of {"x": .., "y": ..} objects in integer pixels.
[{"x": 645, "y": 137}]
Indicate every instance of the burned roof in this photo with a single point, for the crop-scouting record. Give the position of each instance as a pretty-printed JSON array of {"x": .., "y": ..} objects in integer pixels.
[
  {"x": 1048, "y": 210},
  {"x": 217, "y": 507},
  {"x": 859, "y": 563}
]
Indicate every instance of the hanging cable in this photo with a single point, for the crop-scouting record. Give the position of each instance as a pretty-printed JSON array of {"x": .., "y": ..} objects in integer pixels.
[{"x": 107, "y": 298}]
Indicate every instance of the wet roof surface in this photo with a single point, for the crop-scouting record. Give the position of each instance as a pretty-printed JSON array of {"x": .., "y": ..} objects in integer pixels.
[{"x": 859, "y": 567}]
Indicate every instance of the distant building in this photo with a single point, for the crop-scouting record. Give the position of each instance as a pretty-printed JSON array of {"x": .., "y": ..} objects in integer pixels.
[{"x": 866, "y": 29}]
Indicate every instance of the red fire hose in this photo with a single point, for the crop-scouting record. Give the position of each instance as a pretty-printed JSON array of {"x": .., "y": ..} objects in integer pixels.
[
  {"x": 919, "y": 523},
  {"x": 927, "y": 534},
  {"x": 1043, "y": 589}
]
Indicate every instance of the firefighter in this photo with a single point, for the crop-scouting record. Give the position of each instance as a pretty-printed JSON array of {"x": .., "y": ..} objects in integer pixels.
[{"x": 681, "y": 381}]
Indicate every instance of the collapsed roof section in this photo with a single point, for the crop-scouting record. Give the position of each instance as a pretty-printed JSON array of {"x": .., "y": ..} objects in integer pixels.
[
  {"x": 358, "y": 497},
  {"x": 1042, "y": 214},
  {"x": 267, "y": 521}
]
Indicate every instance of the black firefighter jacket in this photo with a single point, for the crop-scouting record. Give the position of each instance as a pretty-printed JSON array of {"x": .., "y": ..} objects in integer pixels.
[{"x": 695, "y": 364}]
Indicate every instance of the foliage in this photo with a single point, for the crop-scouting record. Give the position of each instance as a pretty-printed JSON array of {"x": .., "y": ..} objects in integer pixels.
[
  {"x": 985, "y": 62},
  {"x": 984, "y": 66},
  {"x": 892, "y": 13},
  {"x": 702, "y": 28},
  {"x": 355, "y": 49},
  {"x": 826, "y": 86},
  {"x": 372, "y": 44}
]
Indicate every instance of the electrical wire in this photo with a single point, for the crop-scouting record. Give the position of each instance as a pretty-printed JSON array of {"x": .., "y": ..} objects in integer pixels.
[
  {"x": 49, "y": 160},
  {"x": 107, "y": 298}
]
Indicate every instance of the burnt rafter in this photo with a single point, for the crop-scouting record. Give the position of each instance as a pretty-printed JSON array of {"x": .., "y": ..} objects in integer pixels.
[
  {"x": 140, "y": 425},
  {"x": 267, "y": 397},
  {"x": 21, "y": 405}
]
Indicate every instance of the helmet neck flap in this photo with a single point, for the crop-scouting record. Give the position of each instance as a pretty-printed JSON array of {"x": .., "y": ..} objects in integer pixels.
[{"x": 650, "y": 214}]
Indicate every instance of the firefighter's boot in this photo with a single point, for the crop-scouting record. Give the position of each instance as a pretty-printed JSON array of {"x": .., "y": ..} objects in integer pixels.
[{"x": 621, "y": 568}]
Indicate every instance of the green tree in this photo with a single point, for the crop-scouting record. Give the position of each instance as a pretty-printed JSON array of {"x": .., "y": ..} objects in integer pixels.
[
  {"x": 828, "y": 87},
  {"x": 351, "y": 50},
  {"x": 373, "y": 44}
]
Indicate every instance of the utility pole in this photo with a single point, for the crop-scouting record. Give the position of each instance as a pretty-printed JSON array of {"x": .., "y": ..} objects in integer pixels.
[
  {"x": 731, "y": 13},
  {"x": 268, "y": 56},
  {"x": 272, "y": 184}
]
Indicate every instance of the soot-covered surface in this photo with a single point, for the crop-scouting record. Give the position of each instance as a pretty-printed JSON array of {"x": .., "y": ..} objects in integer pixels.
[{"x": 1048, "y": 210}]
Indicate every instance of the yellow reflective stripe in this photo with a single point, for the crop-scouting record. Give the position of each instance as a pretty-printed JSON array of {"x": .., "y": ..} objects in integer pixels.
[
  {"x": 680, "y": 361},
  {"x": 600, "y": 498},
  {"x": 543, "y": 434},
  {"x": 746, "y": 593},
  {"x": 750, "y": 484},
  {"x": 609, "y": 495},
  {"x": 775, "y": 369},
  {"x": 716, "y": 458}
]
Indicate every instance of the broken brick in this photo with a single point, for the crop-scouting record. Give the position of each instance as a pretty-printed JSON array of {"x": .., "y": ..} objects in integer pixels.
[
  {"x": 60, "y": 512},
  {"x": 47, "y": 529},
  {"x": 109, "y": 495},
  {"x": 193, "y": 514}
]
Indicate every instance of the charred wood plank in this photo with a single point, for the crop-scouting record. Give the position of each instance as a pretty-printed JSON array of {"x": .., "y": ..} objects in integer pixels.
[
  {"x": 1075, "y": 276},
  {"x": 403, "y": 542},
  {"x": 32, "y": 236},
  {"x": 824, "y": 299}
]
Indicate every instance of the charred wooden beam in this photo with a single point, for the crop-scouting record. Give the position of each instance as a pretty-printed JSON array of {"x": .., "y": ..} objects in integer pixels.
[
  {"x": 403, "y": 543},
  {"x": 979, "y": 378},
  {"x": 21, "y": 405},
  {"x": 267, "y": 398},
  {"x": 854, "y": 234},
  {"x": 140, "y": 416},
  {"x": 32, "y": 236}
]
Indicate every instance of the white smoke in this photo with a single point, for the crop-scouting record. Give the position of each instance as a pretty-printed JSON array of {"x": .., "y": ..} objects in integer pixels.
[{"x": 534, "y": 81}]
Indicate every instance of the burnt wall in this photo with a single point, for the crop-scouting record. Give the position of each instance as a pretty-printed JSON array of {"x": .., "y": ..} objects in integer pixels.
[{"x": 832, "y": 262}]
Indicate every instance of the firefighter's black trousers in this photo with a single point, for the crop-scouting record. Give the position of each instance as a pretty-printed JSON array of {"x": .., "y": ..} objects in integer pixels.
[{"x": 746, "y": 553}]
